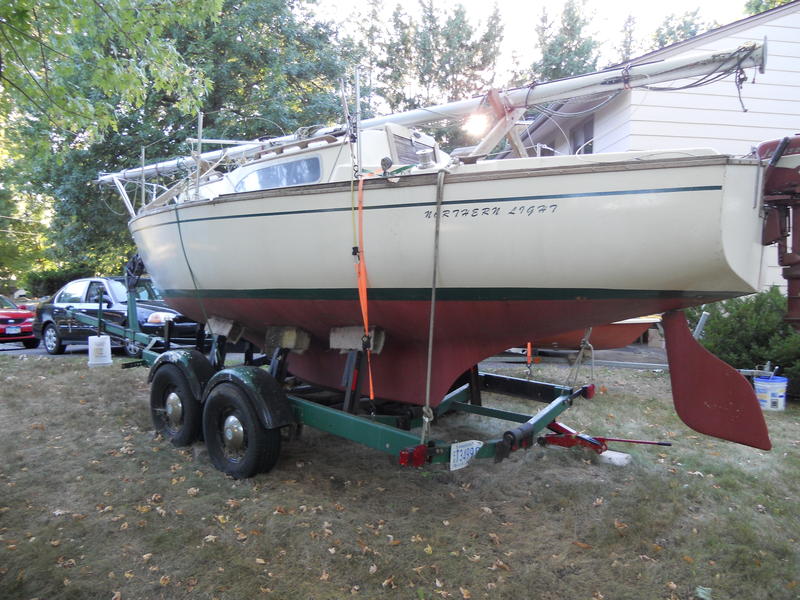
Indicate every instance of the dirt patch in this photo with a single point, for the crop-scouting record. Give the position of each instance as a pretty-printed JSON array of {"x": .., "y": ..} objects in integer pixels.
[{"x": 92, "y": 505}]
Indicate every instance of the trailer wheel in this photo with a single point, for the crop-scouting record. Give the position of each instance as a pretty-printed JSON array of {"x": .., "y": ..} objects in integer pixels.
[
  {"x": 237, "y": 442},
  {"x": 175, "y": 410}
]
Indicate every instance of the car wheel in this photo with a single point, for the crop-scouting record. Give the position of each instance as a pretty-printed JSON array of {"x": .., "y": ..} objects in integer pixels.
[
  {"x": 132, "y": 349},
  {"x": 30, "y": 344},
  {"x": 175, "y": 411},
  {"x": 237, "y": 442},
  {"x": 52, "y": 340}
]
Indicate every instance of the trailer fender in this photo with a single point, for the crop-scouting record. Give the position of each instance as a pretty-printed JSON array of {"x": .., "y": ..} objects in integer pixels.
[
  {"x": 262, "y": 390},
  {"x": 193, "y": 364}
]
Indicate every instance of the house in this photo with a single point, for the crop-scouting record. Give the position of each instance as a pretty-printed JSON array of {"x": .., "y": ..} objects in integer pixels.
[{"x": 715, "y": 116}]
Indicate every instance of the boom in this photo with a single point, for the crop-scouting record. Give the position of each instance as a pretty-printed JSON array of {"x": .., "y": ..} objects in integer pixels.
[{"x": 515, "y": 101}]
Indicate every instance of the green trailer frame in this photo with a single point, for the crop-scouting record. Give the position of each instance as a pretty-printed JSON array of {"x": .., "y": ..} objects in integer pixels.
[{"x": 388, "y": 433}]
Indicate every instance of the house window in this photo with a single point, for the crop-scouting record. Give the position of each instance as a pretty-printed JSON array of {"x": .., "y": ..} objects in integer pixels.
[{"x": 582, "y": 137}]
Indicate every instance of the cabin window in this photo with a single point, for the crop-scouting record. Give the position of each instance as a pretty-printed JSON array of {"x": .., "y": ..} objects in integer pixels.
[
  {"x": 406, "y": 150},
  {"x": 582, "y": 137},
  {"x": 298, "y": 172}
]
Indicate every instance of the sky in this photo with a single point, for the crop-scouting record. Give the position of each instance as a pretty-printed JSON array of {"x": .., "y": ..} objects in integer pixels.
[{"x": 520, "y": 16}]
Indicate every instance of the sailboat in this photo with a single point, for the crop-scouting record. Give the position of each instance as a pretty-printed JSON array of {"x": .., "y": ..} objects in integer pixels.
[{"x": 368, "y": 237}]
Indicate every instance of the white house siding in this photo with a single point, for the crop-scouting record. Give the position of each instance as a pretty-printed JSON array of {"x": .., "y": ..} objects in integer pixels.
[{"x": 712, "y": 116}]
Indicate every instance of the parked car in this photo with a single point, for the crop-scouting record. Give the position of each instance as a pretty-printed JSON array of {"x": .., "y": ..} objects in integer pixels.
[
  {"x": 52, "y": 325},
  {"x": 16, "y": 324}
]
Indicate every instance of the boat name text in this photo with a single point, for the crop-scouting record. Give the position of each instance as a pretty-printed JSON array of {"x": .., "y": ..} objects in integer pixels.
[{"x": 493, "y": 211}]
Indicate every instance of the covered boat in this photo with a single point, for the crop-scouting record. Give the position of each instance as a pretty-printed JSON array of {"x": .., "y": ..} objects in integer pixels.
[{"x": 369, "y": 237}]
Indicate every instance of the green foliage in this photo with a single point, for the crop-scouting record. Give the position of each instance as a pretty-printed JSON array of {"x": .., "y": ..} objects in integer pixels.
[
  {"x": 273, "y": 69},
  {"x": 48, "y": 282},
  {"x": 753, "y": 7},
  {"x": 567, "y": 50},
  {"x": 749, "y": 331},
  {"x": 677, "y": 28},
  {"x": 628, "y": 45},
  {"x": 22, "y": 232},
  {"x": 76, "y": 64},
  {"x": 436, "y": 58}
]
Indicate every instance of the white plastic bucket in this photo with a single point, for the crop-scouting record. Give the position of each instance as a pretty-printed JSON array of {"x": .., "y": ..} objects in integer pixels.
[
  {"x": 771, "y": 392},
  {"x": 99, "y": 350}
]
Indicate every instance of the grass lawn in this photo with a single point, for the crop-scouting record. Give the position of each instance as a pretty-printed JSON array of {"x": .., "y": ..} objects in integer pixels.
[{"x": 92, "y": 505}]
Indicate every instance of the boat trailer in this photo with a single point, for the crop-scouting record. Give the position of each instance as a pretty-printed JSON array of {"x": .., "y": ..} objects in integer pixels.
[{"x": 244, "y": 412}]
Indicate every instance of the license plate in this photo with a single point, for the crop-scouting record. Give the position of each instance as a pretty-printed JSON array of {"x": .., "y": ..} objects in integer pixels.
[
  {"x": 13, "y": 330},
  {"x": 462, "y": 453}
]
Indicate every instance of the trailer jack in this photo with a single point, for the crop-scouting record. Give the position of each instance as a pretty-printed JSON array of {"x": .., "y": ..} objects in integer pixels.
[{"x": 566, "y": 437}]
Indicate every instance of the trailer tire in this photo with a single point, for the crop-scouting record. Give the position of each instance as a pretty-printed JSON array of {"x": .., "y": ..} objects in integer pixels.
[
  {"x": 237, "y": 443},
  {"x": 175, "y": 410}
]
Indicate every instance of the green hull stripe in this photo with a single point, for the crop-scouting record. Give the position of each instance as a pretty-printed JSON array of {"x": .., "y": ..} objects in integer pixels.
[
  {"x": 543, "y": 197},
  {"x": 452, "y": 294}
]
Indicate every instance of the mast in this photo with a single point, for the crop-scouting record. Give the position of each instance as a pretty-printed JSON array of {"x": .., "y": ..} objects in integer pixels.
[{"x": 515, "y": 100}]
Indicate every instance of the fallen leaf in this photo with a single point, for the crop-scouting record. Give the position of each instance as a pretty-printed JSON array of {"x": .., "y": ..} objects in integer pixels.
[
  {"x": 193, "y": 491},
  {"x": 233, "y": 503},
  {"x": 128, "y": 574},
  {"x": 598, "y": 501},
  {"x": 164, "y": 580},
  {"x": 260, "y": 561},
  {"x": 428, "y": 549},
  {"x": 117, "y": 596},
  {"x": 146, "y": 557},
  {"x": 495, "y": 539},
  {"x": 620, "y": 526},
  {"x": 487, "y": 510},
  {"x": 324, "y": 576},
  {"x": 438, "y": 583},
  {"x": 373, "y": 569},
  {"x": 465, "y": 593},
  {"x": 210, "y": 539},
  {"x": 499, "y": 564},
  {"x": 416, "y": 538},
  {"x": 389, "y": 582},
  {"x": 688, "y": 559},
  {"x": 222, "y": 519},
  {"x": 583, "y": 545}
]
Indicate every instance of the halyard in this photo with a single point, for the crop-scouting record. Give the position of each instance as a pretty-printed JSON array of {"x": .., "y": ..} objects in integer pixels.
[{"x": 93, "y": 506}]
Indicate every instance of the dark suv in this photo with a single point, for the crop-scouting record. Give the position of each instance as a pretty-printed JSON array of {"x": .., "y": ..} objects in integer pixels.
[{"x": 52, "y": 326}]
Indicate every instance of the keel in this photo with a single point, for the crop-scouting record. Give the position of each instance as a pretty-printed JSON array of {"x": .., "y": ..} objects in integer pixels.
[{"x": 710, "y": 396}]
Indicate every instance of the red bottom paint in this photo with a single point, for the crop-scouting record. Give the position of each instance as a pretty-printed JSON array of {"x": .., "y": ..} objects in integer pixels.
[
  {"x": 466, "y": 332},
  {"x": 710, "y": 396},
  {"x": 603, "y": 337}
]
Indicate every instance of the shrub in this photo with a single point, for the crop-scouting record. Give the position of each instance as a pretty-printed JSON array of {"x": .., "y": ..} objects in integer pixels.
[
  {"x": 750, "y": 331},
  {"x": 45, "y": 283}
]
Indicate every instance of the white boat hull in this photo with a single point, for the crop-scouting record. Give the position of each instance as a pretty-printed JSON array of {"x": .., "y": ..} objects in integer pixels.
[{"x": 528, "y": 248}]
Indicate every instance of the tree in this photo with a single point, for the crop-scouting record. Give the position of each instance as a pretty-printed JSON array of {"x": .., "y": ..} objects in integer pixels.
[
  {"x": 437, "y": 58},
  {"x": 256, "y": 91},
  {"x": 677, "y": 28},
  {"x": 75, "y": 64},
  {"x": 753, "y": 7},
  {"x": 628, "y": 44},
  {"x": 566, "y": 51}
]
